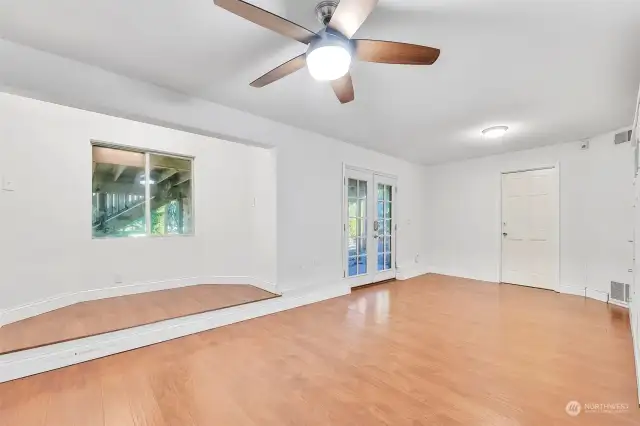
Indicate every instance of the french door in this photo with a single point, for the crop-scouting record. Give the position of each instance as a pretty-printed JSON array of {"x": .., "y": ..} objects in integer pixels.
[{"x": 369, "y": 230}]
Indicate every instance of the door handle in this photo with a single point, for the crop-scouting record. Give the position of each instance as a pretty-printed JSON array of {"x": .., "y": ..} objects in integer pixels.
[
  {"x": 375, "y": 235},
  {"x": 504, "y": 234}
]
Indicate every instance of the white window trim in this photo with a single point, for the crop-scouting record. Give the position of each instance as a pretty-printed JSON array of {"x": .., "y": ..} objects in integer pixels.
[{"x": 147, "y": 152}]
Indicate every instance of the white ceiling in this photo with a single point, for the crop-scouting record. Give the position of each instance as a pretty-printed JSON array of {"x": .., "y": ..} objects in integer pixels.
[{"x": 552, "y": 70}]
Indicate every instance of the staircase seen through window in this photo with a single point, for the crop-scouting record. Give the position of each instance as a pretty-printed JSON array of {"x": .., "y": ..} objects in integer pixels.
[{"x": 138, "y": 193}]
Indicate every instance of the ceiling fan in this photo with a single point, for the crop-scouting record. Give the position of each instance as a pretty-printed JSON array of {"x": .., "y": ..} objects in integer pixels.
[{"x": 330, "y": 51}]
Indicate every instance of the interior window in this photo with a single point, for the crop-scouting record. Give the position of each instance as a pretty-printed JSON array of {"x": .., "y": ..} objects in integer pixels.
[{"x": 121, "y": 189}]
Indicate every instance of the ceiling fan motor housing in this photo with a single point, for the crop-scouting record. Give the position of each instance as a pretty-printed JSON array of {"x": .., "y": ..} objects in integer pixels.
[
  {"x": 324, "y": 11},
  {"x": 329, "y": 37}
]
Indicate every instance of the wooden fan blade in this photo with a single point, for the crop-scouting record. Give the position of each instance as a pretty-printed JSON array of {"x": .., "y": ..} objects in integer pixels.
[
  {"x": 343, "y": 88},
  {"x": 392, "y": 52},
  {"x": 350, "y": 15},
  {"x": 267, "y": 20},
  {"x": 283, "y": 70}
]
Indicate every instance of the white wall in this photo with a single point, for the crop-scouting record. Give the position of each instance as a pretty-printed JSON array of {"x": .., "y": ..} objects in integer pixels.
[
  {"x": 596, "y": 216},
  {"x": 45, "y": 224},
  {"x": 634, "y": 303},
  {"x": 263, "y": 168},
  {"x": 309, "y": 166},
  {"x": 448, "y": 214},
  {"x": 310, "y": 202}
]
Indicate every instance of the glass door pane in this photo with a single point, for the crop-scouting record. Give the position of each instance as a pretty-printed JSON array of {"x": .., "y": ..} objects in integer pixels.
[
  {"x": 369, "y": 228},
  {"x": 384, "y": 226},
  {"x": 357, "y": 216}
]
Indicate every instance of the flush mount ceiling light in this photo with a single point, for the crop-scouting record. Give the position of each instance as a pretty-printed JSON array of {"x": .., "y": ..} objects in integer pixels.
[
  {"x": 494, "y": 132},
  {"x": 329, "y": 57}
]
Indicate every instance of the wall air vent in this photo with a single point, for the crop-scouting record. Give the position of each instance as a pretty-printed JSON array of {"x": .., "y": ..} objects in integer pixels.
[
  {"x": 622, "y": 137},
  {"x": 619, "y": 292}
]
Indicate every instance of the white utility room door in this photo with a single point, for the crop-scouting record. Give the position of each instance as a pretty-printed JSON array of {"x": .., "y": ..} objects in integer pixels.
[
  {"x": 530, "y": 217},
  {"x": 369, "y": 229}
]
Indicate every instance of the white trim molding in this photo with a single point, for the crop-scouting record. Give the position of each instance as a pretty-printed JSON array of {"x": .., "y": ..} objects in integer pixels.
[
  {"x": 42, "y": 306},
  {"x": 461, "y": 274},
  {"x": 601, "y": 296},
  {"x": 597, "y": 295},
  {"x": 618, "y": 303},
  {"x": 263, "y": 284},
  {"x": 572, "y": 289},
  {"x": 405, "y": 273},
  {"x": 38, "y": 360}
]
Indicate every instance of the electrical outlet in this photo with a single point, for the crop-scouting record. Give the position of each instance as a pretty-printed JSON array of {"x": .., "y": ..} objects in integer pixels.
[{"x": 117, "y": 278}]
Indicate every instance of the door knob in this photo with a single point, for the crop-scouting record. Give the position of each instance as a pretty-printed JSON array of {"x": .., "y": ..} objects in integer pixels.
[{"x": 504, "y": 234}]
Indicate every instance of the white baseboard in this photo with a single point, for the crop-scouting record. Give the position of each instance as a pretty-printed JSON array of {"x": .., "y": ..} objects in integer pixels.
[
  {"x": 313, "y": 286},
  {"x": 597, "y": 295},
  {"x": 42, "y": 306},
  {"x": 405, "y": 273},
  {"x": 572, "y": 289},
  {"x": 565, "y": 289},
  {"x": 618, "y": 303},
  {"x": 460, "y": 274},
  {"x": 584, "y": 292},
  {"x": 33, "y": 361},
  {"x": 431, "y": 269},
  {"x": 263, "y": 284}
]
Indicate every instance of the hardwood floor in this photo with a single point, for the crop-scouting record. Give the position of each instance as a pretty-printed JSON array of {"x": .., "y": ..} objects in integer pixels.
[
  {"x": 117, "y": 313},
  {"x": 433, "y": 350}
]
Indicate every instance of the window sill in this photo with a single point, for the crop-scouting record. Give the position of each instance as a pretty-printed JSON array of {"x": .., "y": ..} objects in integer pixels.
[{"x": 143, "y": 237}]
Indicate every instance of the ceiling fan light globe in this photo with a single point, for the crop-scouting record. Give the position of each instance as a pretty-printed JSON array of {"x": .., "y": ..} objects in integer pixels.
[{"x": 328, "y": 62}]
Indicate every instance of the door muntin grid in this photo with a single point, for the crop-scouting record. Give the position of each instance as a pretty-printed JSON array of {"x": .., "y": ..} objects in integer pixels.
[
  {"x": 357, "y": 227},
  {"x": 383, "y": 226}
]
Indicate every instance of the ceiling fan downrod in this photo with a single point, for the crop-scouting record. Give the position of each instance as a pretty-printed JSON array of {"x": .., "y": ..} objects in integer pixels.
[{"x": 324, "y": 11}]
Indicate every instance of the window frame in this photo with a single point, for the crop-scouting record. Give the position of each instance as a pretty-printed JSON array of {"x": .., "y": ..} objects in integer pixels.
[{"x": 147, "y": 187}]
